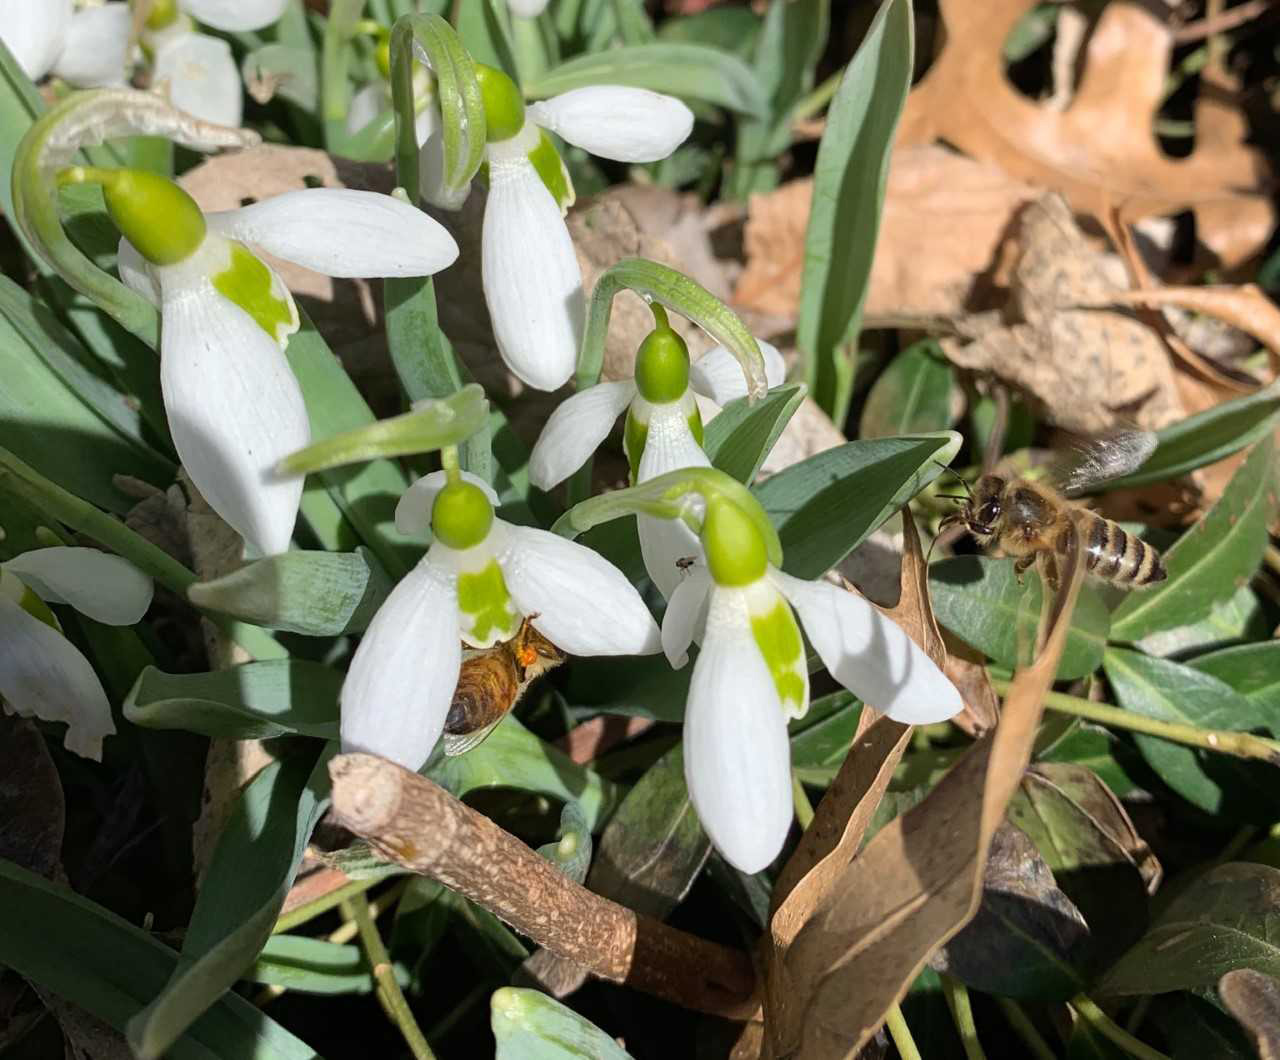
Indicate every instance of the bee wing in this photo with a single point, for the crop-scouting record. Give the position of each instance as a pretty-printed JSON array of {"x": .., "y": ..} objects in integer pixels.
[
  {"x": 1093, "y": 461},
  {"x": 462, "y": 742}
]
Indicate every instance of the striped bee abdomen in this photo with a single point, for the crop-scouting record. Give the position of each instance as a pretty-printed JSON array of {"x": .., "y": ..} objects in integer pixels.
[{"x": 1115, "y": 556}]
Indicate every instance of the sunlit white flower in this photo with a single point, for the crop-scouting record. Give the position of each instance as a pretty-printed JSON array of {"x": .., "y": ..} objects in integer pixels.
[
  {"x": 232, "y": 16},
  {"x": 198, "y": 74},
  {"x": 663, "y": 432},
  {"x": 234, "y": 406},
  {"x": 480, "y": 578},
  {"x": 44, "y": 675},
  {"x": 751, "y": 677},
  {"x": 87, "y": 48}
]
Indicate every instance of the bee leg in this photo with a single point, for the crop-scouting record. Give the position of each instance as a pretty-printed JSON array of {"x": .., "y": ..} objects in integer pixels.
[
  {"x": 1021, "y": 564},
  {"x": 1049, "y": 571}
]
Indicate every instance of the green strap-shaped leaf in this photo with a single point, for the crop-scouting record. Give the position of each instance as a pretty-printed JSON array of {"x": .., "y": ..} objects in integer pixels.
[
  {"x": 529, "y": 1025},
  {"x": 849, "y": 183},
  {"x": 739, "y": 439}
]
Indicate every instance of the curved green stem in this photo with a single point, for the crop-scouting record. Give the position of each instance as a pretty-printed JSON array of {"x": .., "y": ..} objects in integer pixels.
[
  {"x": 340, "y": 27},
  {"x": 1108, "y": 1028},
  {"x": 898, "y": 1030},
  {"x": 1025, "y": 1029},
  {"x": 962, "y": 1016}
]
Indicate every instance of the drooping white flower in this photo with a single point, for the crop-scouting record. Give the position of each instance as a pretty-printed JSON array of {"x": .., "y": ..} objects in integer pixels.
[
  {"x": 663, "y": 432},
  {"x": 751, "y": 676},
  {"x": 234, "y": 16},
  {"x": 532, "y": 281},
  {"x": 87, "y": 48},
  {"x": 479, "y": 579},
  {"x": 234, "y": 406},
  {"x": 198, "y": 74},
  {"x": 44, "y": 675}
]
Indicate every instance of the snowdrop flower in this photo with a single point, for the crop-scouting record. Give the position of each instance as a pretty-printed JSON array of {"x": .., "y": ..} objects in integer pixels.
[
  {"x": 87, "y": 49},
  {"x": 234, "y": 406},
  {"x": 479, "y": 579},
  {"x": 750, "y": 677},
  {"x": 42, "y": 674},
  {"x": 532, "y": 283},
  {"x": 663, "y": 430}
]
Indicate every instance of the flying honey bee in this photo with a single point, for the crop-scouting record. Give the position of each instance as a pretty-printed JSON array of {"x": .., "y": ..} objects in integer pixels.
[
  {"x": 491, "y": 682},
  {"x": 1027, "y": 519}
]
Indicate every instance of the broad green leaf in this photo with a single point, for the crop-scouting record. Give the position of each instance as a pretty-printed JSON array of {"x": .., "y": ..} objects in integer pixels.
[
  {"x": 1099, "y": 750},
  {"x": 741, "y": 436},
  {"x": 1196, "y": 1028},
  {"x": 1212, "y": 559},
  {"x": 849, "y": 183},
  {"x": 730, "y": 29},
  {"x": 313, "y": 966},
  {"x": 111, "y": 968},
  {"x": 1252, "y": 670},
  {"x": 978, "y": 598},
  {"x": 691, "y": 71},
  {"x": 820, "y": 740},
  {"x": 912, "y": 395},
  {"x": 645, "y": 686},
  {"x": 1169, "y": 691},
  {"x": 320, "y": 594},
  {"x": 1228, "y": 918},
  {"x": 248, "y": 877},
  {"x": 1207, "y": 437},
  {"x": 827, "y": 505},
  {"x": 254, "y": 701},
  {"x": 1240, "y": 618},
  {"x": 529, "y": 1025}
]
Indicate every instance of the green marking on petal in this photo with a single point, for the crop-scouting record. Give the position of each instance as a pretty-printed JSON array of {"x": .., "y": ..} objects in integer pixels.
[
  {"x": 551, "y": 169},
  {"x": 778, "y": 637},
  {"x": 247, "y": 282},
  {"x": 14, "y": 588},
  {"x": 695, "y": 424},
  {"x": 486, "y": 607},
  {"x": 634, "y": 435}
]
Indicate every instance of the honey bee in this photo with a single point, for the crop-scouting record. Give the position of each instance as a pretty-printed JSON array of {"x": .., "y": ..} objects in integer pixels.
[
  {"x": 491, "y": 682},
  {"x": 1027, "y": 519}
]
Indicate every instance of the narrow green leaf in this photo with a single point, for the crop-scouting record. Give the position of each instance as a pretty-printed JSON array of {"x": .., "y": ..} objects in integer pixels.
[
  {"x": 730, "y": 29},
  {"x": 111, "y": 968},
  {"x": 740, "y": 438},
  {"x": 254, "y": 701},
  {"x": 690, "y": 71},
  {"x": 827, "y": 505},
  {"x": 850, "y": 177},
  {"x": 980, "y": 600},
  {"x": 529, "y": 1025},
  {"x": 1212, "y": 559},
  {"x": 1228, "y": 918},
  {"x": 314, "y": 966},
  {"x": 912, "y": 395},
  {"x": 820, "y": 740},
  {"x": 1218, "y": 784}
]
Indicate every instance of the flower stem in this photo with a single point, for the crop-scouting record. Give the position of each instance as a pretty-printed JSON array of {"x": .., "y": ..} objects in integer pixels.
[
  {"x": 962, "y": 1015},
  {"x": 901, "y": 1034},
  {"x": 804, "y": 808},
  {"x": 389, "y": 992},
  {"x": 449, "y": 461},
  {"x": 1240, "y": 744},
  {"x": 1025, "y": 1029},
  {"x": 292, "y": 919},
  {"x": 1104, "y": 1025}
]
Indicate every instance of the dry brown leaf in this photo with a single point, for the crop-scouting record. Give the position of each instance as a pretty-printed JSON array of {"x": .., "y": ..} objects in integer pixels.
[
  {"x": 1084, "y": 369},
  {"x": 1254, "y": 999},
  {"x": 944, "y": 218},
  {"x": 1245, "y": 307},
  {"x": 916, "y": 883},
  {"x": 32, "y": 808},
  {"x": 968, "y": 672},
  {"x": 1100, "y": 150}
]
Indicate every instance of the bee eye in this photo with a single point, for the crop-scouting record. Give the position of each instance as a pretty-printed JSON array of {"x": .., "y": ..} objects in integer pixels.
[{"x": 989, "y": 513}]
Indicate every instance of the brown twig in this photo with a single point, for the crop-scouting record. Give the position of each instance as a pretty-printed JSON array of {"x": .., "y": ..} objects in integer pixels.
[
  {"x": 1222, "y": 22},
  {"x": 419, "y": 825}
]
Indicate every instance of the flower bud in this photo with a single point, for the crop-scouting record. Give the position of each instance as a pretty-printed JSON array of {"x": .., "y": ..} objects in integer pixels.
[
  {"x": 736, "y": 553},
  {"x": 152, "y": 212},
  {"x": 461, "y": 516}
]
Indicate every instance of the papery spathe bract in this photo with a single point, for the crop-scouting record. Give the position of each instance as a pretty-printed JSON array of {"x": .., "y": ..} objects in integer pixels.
[{"x": 44, "y": 675}]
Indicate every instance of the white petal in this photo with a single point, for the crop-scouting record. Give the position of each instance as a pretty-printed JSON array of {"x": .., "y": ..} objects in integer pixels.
[
  {"x": 135, "y": 273},
  {"x": 532, "y": 283},
  {"x": 107, "y": 588},
  {"x": 527, "y": 8},
  {"x": 35, "y": 31},
  {"x": 400, "y": 683},
  {"x": 366, "y": 105},
  {"x": 341, "y": 232},
  {"x": 235, "y": 410},
  {"x": 200, "y": 76},
  {"x": 583, "y": 604},
  {"x": 413, "y": 512},
  {"x": 718, "y": 375},
  {"x": 668, "y": 446},
  {"x": 235, "y": 15},
  {"x": 686, "y": 614},
  {"x": 618, "y": 122},
  {"x": 870, "y": 654},
  {"x": 664, "y": 545},
  {"x": 97, "y": 47},
  {"x": 575, "y": 430},
  {"x": 43, "y": 674},
  {"x": 428, "y": 129},
  {"x": 737, "y": 761}
]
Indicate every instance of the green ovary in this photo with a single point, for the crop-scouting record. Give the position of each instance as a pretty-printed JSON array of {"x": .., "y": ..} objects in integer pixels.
[
  {"x": 486, "y": 605},
  {"x": 779, "y": 641},
  {"x": 246, "y": 281}
]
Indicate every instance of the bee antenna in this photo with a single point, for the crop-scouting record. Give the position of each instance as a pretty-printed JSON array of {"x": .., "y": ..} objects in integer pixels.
[{"x": 955, "y": 475}]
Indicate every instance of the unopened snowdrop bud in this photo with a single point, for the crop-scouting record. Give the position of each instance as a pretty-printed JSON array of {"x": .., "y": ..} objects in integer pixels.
[{"x": 162, "y": 221}]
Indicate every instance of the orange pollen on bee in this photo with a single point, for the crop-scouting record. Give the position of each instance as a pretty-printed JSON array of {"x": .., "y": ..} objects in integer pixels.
[{"x": 526, "y": 656}]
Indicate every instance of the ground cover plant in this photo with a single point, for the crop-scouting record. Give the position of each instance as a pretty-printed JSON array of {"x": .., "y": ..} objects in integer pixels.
[{"x": 602, "y": 528}]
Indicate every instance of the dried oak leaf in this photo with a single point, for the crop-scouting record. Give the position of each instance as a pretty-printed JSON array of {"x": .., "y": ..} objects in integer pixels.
[
  {"x": 1085, "y": 368},
  {"x": 1101, "y": 150},
  {"x": 1254, "y": 999}
]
